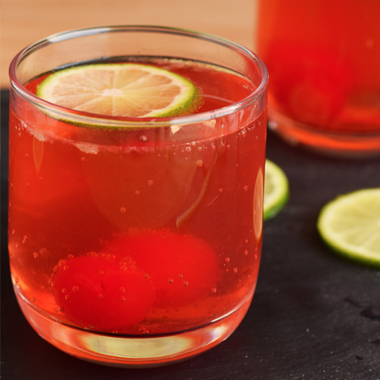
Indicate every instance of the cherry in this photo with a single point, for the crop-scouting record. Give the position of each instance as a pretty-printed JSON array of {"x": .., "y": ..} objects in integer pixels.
[
  {"x": 102, "y": 293},
  {"x": 183, "y": 268}
]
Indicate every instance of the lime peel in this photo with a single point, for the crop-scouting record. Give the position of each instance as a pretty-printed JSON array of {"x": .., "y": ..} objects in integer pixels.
[
  {"x": 276, "y": 189},
  {"x": 350, "y": 226},
  {"x": 121, "y": 90}
]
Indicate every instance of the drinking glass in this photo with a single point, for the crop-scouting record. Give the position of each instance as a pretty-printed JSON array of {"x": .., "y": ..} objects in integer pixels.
[
  {"x": 137, "y": 241},
  {"x": 323, "y": 59}
]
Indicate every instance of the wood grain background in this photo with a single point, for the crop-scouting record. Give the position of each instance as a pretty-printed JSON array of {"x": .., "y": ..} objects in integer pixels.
[{"x": 26, "y": 21}]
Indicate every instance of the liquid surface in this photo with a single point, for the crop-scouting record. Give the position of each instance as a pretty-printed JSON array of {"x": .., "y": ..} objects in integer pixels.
[{"x": 207, "y": 78}]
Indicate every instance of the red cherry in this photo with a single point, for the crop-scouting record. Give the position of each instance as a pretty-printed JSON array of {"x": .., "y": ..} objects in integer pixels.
[
  {"x": 102, "y": 293},
  {"x": 183, "y": 268}
]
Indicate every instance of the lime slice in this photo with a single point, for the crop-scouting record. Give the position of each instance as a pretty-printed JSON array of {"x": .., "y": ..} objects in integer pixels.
[
  {"x": 122, "y": 90},
  {"x": 350, "y": 225},
  {"x": 276, "y": 189}
]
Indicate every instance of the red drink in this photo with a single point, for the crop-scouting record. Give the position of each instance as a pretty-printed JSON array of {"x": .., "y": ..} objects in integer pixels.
[
  {"x": 323, "y": 60},
  {"x": 138, "y": 232}
]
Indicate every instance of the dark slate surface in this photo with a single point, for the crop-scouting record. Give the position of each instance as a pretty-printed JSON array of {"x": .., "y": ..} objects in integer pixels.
[{"x": 314, "y": 315}]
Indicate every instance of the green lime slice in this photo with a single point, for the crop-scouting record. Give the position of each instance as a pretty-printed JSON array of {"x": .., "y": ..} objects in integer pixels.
[
  {"x": 121, "y": 90},
  {"x": 350, "y": 225},
  {"x": 276, "y": 189}
]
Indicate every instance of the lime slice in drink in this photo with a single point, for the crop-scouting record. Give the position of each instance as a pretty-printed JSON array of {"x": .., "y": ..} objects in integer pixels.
[
  {"x": 276, "y": 189},
  {"x": 121, "y": 90},
  {"x": 350, "y": 225}
]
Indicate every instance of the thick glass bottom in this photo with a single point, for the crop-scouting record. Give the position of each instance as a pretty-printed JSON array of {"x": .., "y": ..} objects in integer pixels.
[
  {"x": 328, "y": 142},
  {"x": 122, "y": 351}
]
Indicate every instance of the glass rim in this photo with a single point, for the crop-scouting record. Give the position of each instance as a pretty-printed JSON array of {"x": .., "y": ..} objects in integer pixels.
[{"x": 138, "y": 122}]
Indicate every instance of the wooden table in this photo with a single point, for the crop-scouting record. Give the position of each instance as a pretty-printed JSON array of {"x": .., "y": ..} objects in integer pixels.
[{"x": 25, "y": 21}]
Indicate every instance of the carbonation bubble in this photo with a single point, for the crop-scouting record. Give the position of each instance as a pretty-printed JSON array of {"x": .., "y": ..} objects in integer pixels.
[
  {"x": 150, "y": 182},
  {"x": 35, "y": 255},
  {"x": 235, "y": 270},
  {"x": 123, "y": 210},
  {"x": 199, "y": 163}
]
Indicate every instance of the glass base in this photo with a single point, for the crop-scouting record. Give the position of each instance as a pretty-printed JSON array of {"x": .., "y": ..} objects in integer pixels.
[
  {"x": 332, "y": 143},
  {"x": 122, "y": 351}
]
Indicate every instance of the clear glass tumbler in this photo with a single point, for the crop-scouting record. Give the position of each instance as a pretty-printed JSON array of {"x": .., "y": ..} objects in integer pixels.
[
  {"x": 137, "y": 241},
  {"x": 323, "y": 58}
]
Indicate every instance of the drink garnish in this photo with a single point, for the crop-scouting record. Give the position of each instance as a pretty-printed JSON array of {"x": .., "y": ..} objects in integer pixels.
[
  {"x": 121, "y": 90},
  {"x": 182, "y": 268},
  {"x": 102, "y": 293},
  {"x": 350, "y": 225},
  {"x": 276, "y": 189}
]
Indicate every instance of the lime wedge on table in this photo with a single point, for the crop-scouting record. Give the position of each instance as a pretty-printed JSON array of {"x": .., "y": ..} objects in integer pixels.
[
  {"x": 276, "y": 189},
  {"x": 122, "y": 90},
  {"x": 350, "y": 225}
]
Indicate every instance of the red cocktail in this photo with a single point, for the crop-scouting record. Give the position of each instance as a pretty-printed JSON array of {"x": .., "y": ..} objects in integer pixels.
[
  {"x": 323, "y": 60},
  {"x": 140, "y": 234}
]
